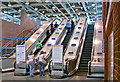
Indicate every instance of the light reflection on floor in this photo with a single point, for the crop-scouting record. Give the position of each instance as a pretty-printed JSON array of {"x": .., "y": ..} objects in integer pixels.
[{"x": 10, "y": 76}]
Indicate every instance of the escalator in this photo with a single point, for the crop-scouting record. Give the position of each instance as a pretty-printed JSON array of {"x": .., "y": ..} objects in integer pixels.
[
  {"x": 86, "y": 53},
  {"x": 67, "y": 38},
  {"x": 43, "y": 43}
]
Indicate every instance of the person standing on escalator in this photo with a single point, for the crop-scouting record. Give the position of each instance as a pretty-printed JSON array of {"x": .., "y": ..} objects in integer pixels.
[
  {"x": 56, "y": 25},
  {"x": 72, "y": 24},
  {"x": 52, "y": 29},
  {"x": 68, "y": 25},
  {"x": 39, "y": 46}
]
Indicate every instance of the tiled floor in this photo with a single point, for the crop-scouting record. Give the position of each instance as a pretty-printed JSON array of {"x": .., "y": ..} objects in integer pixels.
[{"x": 10, "y": 76}]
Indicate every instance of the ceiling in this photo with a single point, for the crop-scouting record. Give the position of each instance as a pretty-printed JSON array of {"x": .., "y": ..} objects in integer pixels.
[{"x": 49, "y": 9}]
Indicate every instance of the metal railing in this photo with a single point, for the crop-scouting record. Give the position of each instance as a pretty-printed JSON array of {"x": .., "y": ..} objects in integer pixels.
[
  {"x": 5, "y": 39},
  {"x": 23, "y": 40}
]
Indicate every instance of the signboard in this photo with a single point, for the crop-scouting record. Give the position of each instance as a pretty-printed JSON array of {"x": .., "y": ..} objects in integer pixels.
[
  {"x": 20, "y": 53},
  {"x": 57, "y": 54},
  {"x": 103, "y": 46}
]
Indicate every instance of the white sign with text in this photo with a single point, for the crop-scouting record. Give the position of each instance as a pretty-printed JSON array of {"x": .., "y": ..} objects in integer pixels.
[
  {"x": 57, "y": 54},
  {"x": 20, "y": 53}
]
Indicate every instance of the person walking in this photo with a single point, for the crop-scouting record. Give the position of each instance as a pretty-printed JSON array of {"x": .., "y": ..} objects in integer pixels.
[
  {"x": 31, "y": 63},
  {"x": 68, "y": 24},
  {"x": 42, "y": 63}
]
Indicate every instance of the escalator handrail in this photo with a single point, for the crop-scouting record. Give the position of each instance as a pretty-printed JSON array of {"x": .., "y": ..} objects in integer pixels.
[{"x": 17, "y": 36}]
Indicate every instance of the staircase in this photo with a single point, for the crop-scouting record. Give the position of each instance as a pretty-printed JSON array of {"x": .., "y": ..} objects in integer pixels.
[{"x": 86, "y": 53}]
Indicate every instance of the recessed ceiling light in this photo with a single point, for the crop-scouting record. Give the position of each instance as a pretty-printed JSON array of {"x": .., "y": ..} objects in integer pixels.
[
  {"x": 9, "y": 4},
  {"x": 27, "y": 3},
  {"x": 94, "y": 8},
  {"x": 47, "y": 1},
  {"x": 5, "y": 11},
  {"x": 14, "y": 16},
  {"x": 19, "y": 10},
  {"x": 53, "y": 7},
  {"x": 93, "y": 5},
  {"x": 76, "y": 9},
  {"x": 73, "y": 5},
  {"x": 43, "y": 11},
  {"x": 36, "y": 8},
  {"x": 95, "y": 13},
  {"x": 78, "y": 13},
  {"x": 28, "y": 14}
]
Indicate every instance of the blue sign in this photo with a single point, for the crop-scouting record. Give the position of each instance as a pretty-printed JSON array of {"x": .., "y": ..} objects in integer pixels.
[
  {"x": 79, "y": 27},
  {"x": 60, "y": 28},
  {"x": 103, "y": 46},
  {"x": 75, "y": 37},
  {"x": 48, "y": 44},
  {"x": 70, "y": 52},
  {"x": 73, "y": 44},
  {"x": 99, "y": 31},
  {"x": 77, "y": 32},
  {"x": 81, "y": 23},
  {"x": 53, "y": 38},
  {"x": 37, "y": 33}
]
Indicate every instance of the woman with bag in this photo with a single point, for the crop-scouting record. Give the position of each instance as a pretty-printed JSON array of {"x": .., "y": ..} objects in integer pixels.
[
  {"x": 42, "y": 63},
  {"x": 31, "y": 63}
]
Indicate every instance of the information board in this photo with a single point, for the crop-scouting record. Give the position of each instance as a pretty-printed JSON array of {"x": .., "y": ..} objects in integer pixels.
[
  {"x": 20, "y": 53},
  {"x": 57, "y": 54}
]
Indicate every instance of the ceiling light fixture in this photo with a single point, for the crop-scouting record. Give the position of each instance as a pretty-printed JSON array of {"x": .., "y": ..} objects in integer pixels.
[
  {"x": 76, "y": 9},
  {"x": 14, "y": 15},
  {"x": 47, "y": 1},
  {"x": 9, "y": 4},
  {"x": 53, "y": 7},
  {"x": 19, "y": 10},
  {"x": 78, "y": 13},
  {"x": 36, "y": 8},
  {"x": 94, "y": 8},
  {"x": 93, "y": 5},
  {"x": 73, "y": 5},
  {"x": 43, "y": 11},
  {"x": 28, "y": 14},
  {"x": 95, "y": 13},
  {"x": 27, "y": 2}
]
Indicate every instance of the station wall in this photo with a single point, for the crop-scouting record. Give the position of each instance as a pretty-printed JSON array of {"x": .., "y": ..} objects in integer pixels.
[
  {"x": 11, "y": 30},
  {"x": 113, "y": 26}
]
